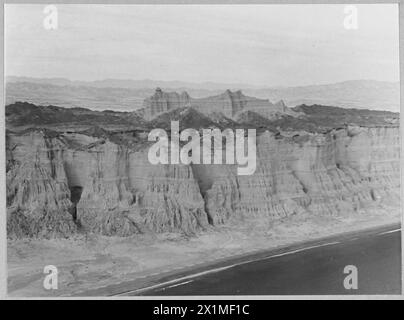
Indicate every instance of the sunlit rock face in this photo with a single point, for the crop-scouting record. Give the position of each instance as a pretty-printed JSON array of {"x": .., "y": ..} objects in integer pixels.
[
  {"x": 374, "y": 155},
  {"x": 345, "y": 171},
  {"x": 161, "y": 102},
  {"x": 58, "y": 184},
  {"x": 119, "y": 191},
  {"x": 168, "y": 196},
  {"x": 38, "y": 197}
]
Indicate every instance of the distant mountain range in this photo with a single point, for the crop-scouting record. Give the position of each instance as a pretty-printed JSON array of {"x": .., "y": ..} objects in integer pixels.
[
  {"x": 131, "y": 84},
  {"x": 128, "y": 95}
]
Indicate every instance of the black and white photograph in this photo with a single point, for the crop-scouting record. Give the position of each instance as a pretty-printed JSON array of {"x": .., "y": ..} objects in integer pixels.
[{"x": 161, "y": 150}]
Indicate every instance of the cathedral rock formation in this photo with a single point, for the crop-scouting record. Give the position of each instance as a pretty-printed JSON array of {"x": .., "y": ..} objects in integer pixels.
[{"x": 228, "y": 103}]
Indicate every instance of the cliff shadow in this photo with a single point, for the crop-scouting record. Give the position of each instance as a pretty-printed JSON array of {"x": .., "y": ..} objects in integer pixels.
[{"x": 75, "y": 195}]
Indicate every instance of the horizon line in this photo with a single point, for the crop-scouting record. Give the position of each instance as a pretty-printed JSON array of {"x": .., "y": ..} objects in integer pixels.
[{"x": 184, "y": 82}]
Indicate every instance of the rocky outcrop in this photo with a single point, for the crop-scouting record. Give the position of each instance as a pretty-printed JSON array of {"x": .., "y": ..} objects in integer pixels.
[
  {"x": 161, "y": 102},
  {"x": 228, "y": 103},
  {"x": 57, "y": 183}
]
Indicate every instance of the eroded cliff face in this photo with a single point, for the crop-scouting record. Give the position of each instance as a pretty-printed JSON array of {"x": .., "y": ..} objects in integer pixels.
[
  {"x": 161, "y": 102},
  {"x": 38, "y": 197},
  {"x": 58, "y": 183},
  {"x": 117, "y": 191},
  {"x": 345, "y": 171}
]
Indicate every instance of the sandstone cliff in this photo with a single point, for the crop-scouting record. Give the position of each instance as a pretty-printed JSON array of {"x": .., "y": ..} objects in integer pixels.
[
  {"x": 58, "y": 183},
  {"x": 228, "y": 103},
  {"x": 118, "y": 192},
  {"x": 38, "y": 198},
  {"x": 345, "y": 171}
]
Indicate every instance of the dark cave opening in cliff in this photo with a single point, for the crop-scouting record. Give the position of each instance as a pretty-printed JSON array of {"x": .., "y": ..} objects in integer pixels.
[{"x": 75, "y": 195}]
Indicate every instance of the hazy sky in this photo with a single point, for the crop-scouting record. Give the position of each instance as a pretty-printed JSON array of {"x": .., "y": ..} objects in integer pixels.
[{"x": 266, "y": 45}]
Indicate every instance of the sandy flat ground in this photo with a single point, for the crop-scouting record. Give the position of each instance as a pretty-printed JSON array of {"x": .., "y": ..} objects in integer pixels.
[{"x": 91, "y": 261}]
